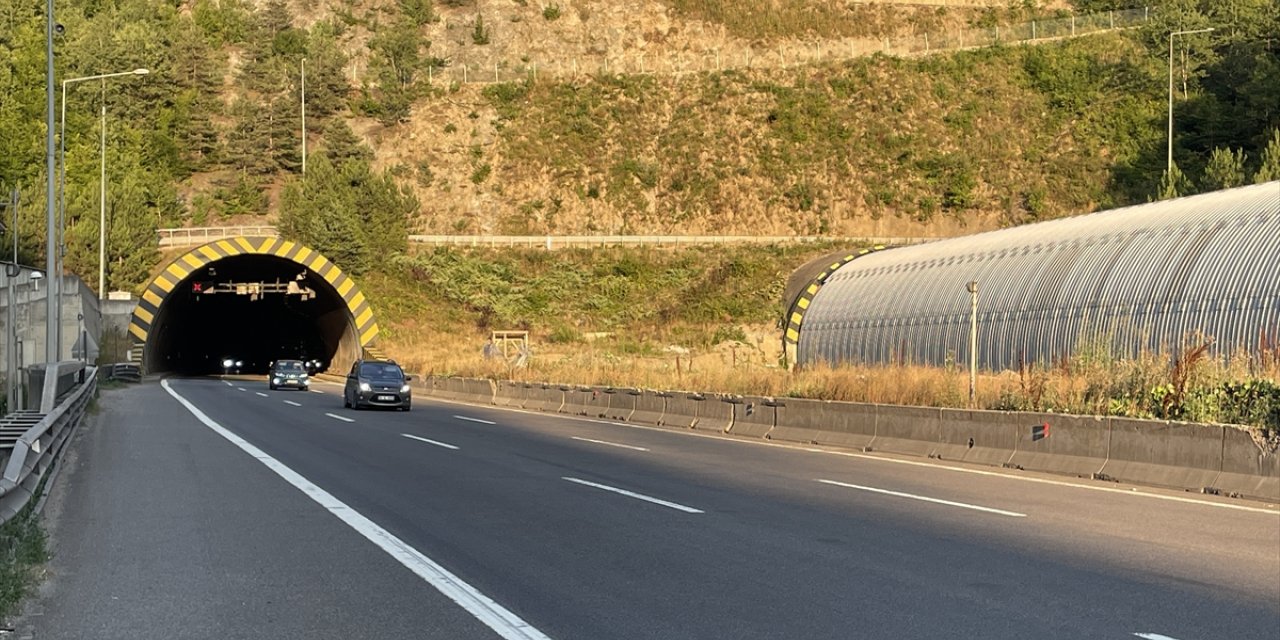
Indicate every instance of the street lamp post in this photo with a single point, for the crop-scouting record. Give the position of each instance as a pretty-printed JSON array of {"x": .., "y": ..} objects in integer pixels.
[
  {"x": 102, "y": 180},
  {"x": 1169, "y": 161},
  {"x": 972, "y": 287},
  {"x": 50, "y": 256}
]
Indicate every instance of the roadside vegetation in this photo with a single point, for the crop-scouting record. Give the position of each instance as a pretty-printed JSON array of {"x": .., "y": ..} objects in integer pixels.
[
  {"x": 22, "y": 554},
  {"x": 706, "y": 319}
]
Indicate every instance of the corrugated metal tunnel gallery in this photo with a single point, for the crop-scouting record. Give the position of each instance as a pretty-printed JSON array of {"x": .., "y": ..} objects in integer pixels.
[{"x": 1143, "y": 277}]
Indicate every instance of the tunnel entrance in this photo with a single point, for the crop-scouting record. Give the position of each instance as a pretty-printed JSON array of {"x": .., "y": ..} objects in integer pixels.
[{"x": 250, "y": 301}]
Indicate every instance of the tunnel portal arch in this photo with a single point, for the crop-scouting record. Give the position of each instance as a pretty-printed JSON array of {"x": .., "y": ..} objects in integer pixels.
[{"x": 348, "y": 316}]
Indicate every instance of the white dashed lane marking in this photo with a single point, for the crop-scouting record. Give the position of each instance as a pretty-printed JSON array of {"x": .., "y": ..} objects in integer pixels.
[{"x": 430, "y": 441}]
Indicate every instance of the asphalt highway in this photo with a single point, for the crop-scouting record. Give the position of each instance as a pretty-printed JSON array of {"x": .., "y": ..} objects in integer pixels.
[{"x": 217, "y": 508}]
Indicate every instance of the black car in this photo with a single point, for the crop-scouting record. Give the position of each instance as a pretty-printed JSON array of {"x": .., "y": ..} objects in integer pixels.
[
  {"x": 377, "y": 383},
  {"x": 288, "y": 374}
]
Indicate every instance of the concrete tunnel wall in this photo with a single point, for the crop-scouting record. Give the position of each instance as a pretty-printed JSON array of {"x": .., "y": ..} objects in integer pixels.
[{"x": 346, "y": 316}]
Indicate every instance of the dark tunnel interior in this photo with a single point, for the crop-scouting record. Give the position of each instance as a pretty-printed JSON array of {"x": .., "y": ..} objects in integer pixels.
[{"x": 244, "y": 309}]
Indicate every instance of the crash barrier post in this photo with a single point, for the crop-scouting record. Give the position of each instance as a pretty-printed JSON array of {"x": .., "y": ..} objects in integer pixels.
[
  {"x": 1070, "y": 445},
  {"x": 1248, "y": 470},
  {"x": 909, "y": 430},
  {"x": 509, "y": 394},
  {"x": 622, "y": 403},
  {"x": 682, "y": 409},
  {"x": 715, "y": 413},
  {"x": 841, "y": 424},
  {"x": 1161, "y": 453},
  {"x": 753, "y": 416},
  {"x": 651, "y": 407}
]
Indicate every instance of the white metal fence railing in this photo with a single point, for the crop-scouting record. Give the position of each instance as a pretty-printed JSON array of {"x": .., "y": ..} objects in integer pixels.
[
  {"x": 190, "y": 237},
  {"x": 561, "y": 242},
  {"x": 492, "y": 70},
  {"x": 201, "y": 235}
]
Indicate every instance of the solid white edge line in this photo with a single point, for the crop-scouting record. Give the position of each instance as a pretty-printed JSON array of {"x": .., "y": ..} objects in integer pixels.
[
  {"x": 338, "y": 417},
  {"x": 1135, "y": 491},
  {"x": 611, "y": 444},
  {"x": 505, "y": 623},
  {"x": 430, "y": 441},
  {"x": 475, "y": 420},
  {"x": 1154, "y": 636},
  {"x": 290, "y": 402},
  {"x": 912, "y": 496},
  {"x": 262, "y": 394},
  {"x": 631, "y": 494}
]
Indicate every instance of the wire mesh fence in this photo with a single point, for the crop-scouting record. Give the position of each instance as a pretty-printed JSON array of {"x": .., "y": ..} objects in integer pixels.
[{"x": 785, "y": 55}]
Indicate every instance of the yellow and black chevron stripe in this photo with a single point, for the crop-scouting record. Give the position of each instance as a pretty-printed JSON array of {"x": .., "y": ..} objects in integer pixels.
[
  {"x": 178, "y": 270},
  {"x": 795, "y": 315}
]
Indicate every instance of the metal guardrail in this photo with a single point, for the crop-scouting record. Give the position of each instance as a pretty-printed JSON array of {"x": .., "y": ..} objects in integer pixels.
[
  {"x": 33, "y": 453},
  {"x": 560, "y": 242},
  {"x": 126, "y": 371},
  {"x": 200, "y": 235}
]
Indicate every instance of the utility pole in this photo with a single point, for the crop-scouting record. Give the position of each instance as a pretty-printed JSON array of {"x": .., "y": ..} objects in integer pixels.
[
  {"x": 304, "y": 116},
  {"x": 1169, "y": 160},
  {"x": 11, "y": 272}
]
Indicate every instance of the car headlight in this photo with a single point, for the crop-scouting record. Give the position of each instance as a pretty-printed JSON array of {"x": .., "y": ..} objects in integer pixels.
[
  {"x": 239, "y": 363},
  {"x": 404, "y": 389},
  {"x": 364, "y": 386},
  {"x": 228, "y": 363}
]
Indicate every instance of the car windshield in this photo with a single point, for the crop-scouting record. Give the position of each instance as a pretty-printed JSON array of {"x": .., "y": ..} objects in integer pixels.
[
  {"x": 289, "y": 366},
  {"x": 379, "y": 371}
]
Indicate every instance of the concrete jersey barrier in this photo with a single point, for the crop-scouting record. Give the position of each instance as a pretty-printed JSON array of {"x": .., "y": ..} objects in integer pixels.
[{"x": 1194, "y": 457}]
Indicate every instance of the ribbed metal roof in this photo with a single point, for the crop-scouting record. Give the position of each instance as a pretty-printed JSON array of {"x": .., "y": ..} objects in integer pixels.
[{"x": 1146, "y": 276}]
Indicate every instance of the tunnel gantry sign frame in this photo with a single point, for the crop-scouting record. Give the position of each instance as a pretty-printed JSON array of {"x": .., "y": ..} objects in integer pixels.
[{"x": 182, "y": 268}]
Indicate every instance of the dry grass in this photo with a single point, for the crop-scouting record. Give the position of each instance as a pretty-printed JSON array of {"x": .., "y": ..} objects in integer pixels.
[{"x": 1153, "y": 385}]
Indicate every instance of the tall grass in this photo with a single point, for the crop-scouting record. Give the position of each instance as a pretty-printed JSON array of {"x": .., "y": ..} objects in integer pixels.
[{"x": 1191, "y": 386}]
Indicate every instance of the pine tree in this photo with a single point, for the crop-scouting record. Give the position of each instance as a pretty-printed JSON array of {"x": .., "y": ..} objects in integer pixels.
[
  {"x": 131, "y": 234},
  {"x": 396, "y": 63},
  {"x": 341, "y": 144},
  {"x": 1270, "y": 168},
  {"x": 320, "y": 211},
  {"x": 1224, "y": 171},
  {"x": 327, "y": 86},
  {"x": 1174, "y": 184},
  {"x": 249, "y": 144}
]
